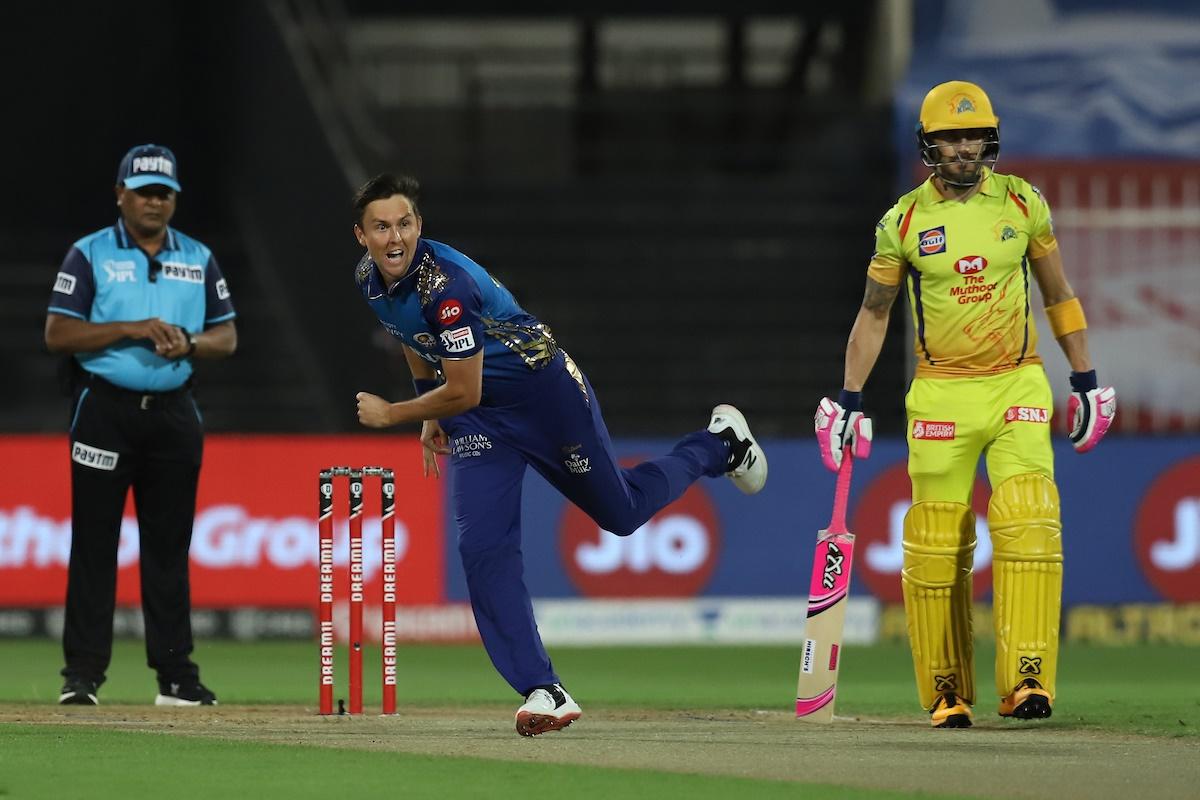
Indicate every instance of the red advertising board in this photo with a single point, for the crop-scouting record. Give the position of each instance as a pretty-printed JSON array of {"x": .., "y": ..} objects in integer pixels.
[{"x": 254, "y": 540}]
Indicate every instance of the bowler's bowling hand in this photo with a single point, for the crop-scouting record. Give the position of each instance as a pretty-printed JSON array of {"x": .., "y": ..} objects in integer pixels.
[
  {"x": 433, "y": 443},
  {"x": 373, "y": 410}
]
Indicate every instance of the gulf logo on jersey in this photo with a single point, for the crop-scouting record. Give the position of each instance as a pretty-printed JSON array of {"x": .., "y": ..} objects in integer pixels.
[
  {"x": 969, "y": 265},
  {"x": 932, "y": 241}
]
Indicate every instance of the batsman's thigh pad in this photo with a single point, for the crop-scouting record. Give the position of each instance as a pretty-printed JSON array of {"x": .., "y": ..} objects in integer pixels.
[
  {"x": 1020, "y": 414},
  {"x": 939, "y": 548},
  {"x": 1027, "y": 559},
  {"x": 946, "y": 435}
]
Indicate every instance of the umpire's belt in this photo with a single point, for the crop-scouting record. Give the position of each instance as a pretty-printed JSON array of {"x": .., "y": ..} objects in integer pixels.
[{"x": 144, "y": 400}]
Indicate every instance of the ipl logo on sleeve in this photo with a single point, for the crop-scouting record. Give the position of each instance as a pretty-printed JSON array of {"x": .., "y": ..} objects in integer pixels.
[{"x": 458, "y": 340}]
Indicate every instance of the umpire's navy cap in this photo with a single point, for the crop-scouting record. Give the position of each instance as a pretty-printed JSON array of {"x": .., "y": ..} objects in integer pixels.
[{"x": 149, "y": 165}]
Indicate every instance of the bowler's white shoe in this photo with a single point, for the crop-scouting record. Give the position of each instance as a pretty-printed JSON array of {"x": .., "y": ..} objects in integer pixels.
[
  {"x": 546, "y": 708},
  {"x": 747, "y": 462}
]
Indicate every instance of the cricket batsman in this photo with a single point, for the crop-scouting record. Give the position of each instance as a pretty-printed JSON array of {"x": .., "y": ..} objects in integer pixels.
[{"x": 971, "y": 243}]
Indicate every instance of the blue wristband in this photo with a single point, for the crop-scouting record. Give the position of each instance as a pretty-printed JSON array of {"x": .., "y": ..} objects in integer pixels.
[
  {"x": 423, "y": 385},
  {"x": 1084, "y": 381},
  {"x": 851, "y": 401}
]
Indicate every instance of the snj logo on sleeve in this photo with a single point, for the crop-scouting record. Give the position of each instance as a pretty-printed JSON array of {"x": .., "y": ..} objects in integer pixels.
[
  {"x": 1027, "y": 414},
  {"x": 93, "y": 457},
  {"x": 449, "y": 312},
  {"x": 969, "y": 265},
  {"x": 932, "y": 241},
  {"x": 64, "y": 283},
  {"x": 937, "y": 431},
  {"x": 458, "y": 340}
]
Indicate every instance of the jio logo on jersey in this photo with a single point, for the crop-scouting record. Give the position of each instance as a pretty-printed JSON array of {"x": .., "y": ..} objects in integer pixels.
[
  {"x": 1166, "y": 533},
  {"x": 449, "y": 312},
  {"x": 969, "y": 265},
  {"x": 932, "y": 241},
  {"x": 672, "y": 555},
  {"x": 878, "y": 524}
]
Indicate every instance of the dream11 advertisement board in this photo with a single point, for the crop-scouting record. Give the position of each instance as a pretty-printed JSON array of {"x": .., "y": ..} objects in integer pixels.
[{"x": 254, "y": 540}]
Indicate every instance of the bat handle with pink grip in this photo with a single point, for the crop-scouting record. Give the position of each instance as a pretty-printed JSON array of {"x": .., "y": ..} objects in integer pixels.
[{"x": 841, "y": 495}]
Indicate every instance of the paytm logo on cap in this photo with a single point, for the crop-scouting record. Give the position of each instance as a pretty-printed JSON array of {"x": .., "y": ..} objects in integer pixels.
[
  {"x": 160, "y": 165},
  {"x": 148, "y": 164}
]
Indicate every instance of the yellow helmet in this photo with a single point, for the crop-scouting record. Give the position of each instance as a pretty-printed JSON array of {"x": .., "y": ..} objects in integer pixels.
[{"x": 957, "y": 106}]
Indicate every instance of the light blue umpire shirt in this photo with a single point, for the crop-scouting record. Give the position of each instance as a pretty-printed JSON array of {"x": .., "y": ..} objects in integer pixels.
[{"x": 107, "y": 277}]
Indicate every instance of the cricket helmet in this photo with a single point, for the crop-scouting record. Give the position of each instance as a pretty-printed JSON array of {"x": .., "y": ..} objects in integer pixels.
[{"x": 957, "y": 106}]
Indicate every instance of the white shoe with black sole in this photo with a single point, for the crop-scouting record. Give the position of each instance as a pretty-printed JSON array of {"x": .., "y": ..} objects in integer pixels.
[
  {"x": 747, "y": 461},
  {"x": 546, "y": 708}
]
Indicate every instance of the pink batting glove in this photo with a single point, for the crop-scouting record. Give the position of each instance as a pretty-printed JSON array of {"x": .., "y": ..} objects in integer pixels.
[
  {"x": 837, "y": 428},
  {"x": 1090, "y": 415}
]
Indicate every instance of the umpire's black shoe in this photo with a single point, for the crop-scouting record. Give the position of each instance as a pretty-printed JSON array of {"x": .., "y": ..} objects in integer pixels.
[
  {"x": 185, "y": 693},
  {"x": 78, "y": 692}
]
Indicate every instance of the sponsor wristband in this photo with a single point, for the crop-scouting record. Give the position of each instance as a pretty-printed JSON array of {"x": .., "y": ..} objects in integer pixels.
[
  {"x": 851, "y": 401},
  {"x": 423, "y": 385},
  {"x": 1066, "y": 317},
  {"x": 1084, "y": 381}
]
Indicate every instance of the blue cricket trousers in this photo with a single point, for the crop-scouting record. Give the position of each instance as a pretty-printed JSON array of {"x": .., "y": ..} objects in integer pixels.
[{"x": 553, "y": 424}]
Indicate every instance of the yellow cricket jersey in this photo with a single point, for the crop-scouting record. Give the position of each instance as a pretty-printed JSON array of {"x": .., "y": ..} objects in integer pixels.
[{"x": 968, "y": 273}]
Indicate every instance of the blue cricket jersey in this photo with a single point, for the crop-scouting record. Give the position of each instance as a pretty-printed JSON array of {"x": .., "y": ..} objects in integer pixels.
[
  {"x": 449, "y": 307},
  {"x": 106, "y": 277}
]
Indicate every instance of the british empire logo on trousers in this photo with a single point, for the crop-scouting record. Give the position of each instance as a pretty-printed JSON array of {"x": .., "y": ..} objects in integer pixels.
[{"x": 937, "y": 431}]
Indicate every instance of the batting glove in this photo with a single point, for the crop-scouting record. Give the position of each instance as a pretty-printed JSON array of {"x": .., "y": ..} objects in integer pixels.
[
  {"x": 840, "y": 425},
  {"x": 1091, "y": 410}
]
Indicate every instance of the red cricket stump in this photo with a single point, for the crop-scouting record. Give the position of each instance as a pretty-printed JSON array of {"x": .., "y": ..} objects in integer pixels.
[
  {"x": 356, "y": 591},
  {"x": 388, "y": 535},
  {"x": 325, "y": 576},
  {"x": 827, "y": 599}
]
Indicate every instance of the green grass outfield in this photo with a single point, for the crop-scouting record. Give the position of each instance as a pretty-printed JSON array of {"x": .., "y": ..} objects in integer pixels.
[{"x": 1142, "y": 691}]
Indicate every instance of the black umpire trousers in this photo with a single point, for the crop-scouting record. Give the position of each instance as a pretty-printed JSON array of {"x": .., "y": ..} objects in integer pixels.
[{"x": 151, "y": 443}]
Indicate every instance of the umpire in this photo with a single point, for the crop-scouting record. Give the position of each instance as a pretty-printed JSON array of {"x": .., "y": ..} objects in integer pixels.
[{"x": 133, "y": 304}]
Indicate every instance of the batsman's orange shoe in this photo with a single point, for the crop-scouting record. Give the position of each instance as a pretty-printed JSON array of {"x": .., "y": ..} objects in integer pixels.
[
  {"x": 1028, "y": 701},
  {"x": 950, "y": 711}
]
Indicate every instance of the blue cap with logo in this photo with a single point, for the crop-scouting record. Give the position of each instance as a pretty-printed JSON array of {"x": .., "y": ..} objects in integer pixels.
[{"x": 149, "y": 165}]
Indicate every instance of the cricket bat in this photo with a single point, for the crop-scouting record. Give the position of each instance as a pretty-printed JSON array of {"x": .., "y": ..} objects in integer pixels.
[{"x": 826, "y": 618}]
